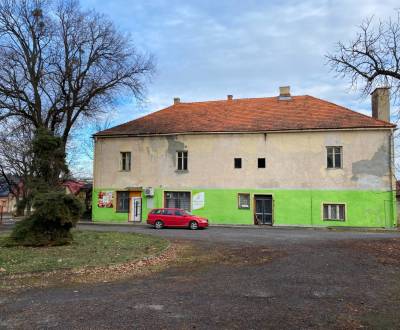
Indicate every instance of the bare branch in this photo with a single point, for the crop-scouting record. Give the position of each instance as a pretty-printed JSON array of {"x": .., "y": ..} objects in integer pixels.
[
  {"x": 372, "y": 59},
  {"x": 59, "y": 63}
]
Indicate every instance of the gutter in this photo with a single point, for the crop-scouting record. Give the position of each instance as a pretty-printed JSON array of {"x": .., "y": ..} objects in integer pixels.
[{"x": 246, "y": 132}]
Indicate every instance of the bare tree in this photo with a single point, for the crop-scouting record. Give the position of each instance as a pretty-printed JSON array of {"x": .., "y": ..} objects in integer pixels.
[
  {"x": 59, "y": 63},
  {"x": 372, "y": 59},
  {"x": 16, "y": 159}
]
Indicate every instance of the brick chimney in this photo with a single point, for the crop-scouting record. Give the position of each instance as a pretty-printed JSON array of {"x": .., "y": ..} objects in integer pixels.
[
  {"x": 177, "y": 100},
  {"x": 284, "y": 93},
  {"x": 380, "y": 99},
  {"x": 230, "y": 97}
]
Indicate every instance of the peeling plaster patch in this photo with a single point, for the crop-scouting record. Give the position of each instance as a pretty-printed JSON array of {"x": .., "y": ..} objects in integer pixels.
[
  {"x": 377, "y": 166},
  {"x": 173, "y": 146}
]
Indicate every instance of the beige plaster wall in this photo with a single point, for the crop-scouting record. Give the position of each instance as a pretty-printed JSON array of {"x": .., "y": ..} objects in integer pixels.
[{"x": 294, "y": 160}]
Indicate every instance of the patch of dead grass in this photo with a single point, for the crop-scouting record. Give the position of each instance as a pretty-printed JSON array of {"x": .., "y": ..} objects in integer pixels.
[{"x": 142, "y": 267}]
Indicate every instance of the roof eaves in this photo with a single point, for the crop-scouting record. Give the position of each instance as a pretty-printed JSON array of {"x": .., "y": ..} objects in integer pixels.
[{"x": 388, "y": 126}]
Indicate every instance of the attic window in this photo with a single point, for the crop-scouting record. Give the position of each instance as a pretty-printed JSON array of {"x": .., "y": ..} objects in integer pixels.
[
  {"x": 261, "y": 162},
  {"x": 238, "y": 162}
]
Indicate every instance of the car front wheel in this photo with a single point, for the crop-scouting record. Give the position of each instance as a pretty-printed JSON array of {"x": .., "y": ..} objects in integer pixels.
[
  {"x": 158, "y": 224},
  {"x": 193, "y": 225}
]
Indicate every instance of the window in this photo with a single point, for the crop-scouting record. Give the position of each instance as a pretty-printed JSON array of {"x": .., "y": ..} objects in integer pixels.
[
  {"x": 238, "y": 163},
  {"x": 179, "y": 213},
  {"x": 168, "y": 212},
  {"x": 156, "y": 211},
  {"x": 261, "y": 162},
  {"x": 182, "y": 158},
  {"x": 178, "y": 200},
  {"x": 244, "y": 201},
  {"x": 334, "y": 157},
  {"x": 334, "y": 212},
  {"x": 125, "y": 161},
  {"x": 123, "y": 201}
]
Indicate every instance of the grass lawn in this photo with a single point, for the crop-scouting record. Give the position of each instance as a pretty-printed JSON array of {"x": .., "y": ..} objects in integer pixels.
[{"x": 88, "y": 249}]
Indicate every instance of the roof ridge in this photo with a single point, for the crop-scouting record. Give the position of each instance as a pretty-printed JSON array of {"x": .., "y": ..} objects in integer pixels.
[{"x": 239, "y": 99}]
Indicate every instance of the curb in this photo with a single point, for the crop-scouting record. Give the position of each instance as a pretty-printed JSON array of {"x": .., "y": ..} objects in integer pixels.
[
  {"x": 118, "y": 224},
  {"x": 336, "y": 229}
]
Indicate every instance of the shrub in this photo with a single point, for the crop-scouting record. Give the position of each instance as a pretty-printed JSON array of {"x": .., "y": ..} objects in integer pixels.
[{"x": 54, "y": 215}]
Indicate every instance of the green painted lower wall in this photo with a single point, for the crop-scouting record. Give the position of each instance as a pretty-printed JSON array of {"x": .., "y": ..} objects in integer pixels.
[{"x": 290, "y": 207}]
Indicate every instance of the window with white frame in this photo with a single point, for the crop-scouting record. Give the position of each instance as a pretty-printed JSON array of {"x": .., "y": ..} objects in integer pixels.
[
  {"x": 334, "y": 157},
  {"x": 334, "y": 212},
  {"x": 182, "y": 160},
  {"x": 244, "y": 201},
  {"x": 125, "y": 161}
]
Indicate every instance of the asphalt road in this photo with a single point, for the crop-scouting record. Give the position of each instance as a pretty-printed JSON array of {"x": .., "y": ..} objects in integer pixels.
[
  {"x": 272, "y": 236},
  {"x": 234, "y": 278}
]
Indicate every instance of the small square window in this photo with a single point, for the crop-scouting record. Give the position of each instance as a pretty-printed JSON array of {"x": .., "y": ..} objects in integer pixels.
[
  {"x": 261, "y": 162},
  {"x": 244, "y": 201},
  {"x": 238, "y": 163},
  {"x": 335, "y": 212}
]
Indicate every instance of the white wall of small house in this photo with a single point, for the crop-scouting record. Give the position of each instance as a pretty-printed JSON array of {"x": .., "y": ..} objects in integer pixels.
[{"x": 295, "y": 160}]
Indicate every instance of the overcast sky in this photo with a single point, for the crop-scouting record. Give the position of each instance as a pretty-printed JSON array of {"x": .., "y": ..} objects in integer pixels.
[{"x": 207, "y": 49}]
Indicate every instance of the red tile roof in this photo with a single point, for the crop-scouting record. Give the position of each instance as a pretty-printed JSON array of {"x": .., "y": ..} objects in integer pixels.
[
  {"x": 73, "y": 186},
  {"x": 247, "y": 115}
]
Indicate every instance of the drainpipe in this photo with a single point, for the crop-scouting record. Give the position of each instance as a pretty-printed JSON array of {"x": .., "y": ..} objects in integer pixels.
[
  {"x": 391, "y": 173},
  {"x": 311, "y": 206}
]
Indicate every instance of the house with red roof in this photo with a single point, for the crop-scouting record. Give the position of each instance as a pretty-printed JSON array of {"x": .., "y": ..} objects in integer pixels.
[{"x": 282, "y": 161}]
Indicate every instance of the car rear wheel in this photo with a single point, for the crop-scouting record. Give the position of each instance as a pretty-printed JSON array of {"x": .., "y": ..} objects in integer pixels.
[
  {"x": 193, "y": 225},
  {"x": 158, "y": 224}
]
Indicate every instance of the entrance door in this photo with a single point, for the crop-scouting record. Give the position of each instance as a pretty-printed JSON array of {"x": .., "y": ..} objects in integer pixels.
[
  {"x": 263, "y": 209},
  {"x": 136, "y": 209}
]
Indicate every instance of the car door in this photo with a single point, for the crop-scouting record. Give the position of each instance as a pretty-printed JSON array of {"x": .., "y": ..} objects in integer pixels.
[
  {"x": 168, "y": 217},
  {"x": 180, "y": 219}
]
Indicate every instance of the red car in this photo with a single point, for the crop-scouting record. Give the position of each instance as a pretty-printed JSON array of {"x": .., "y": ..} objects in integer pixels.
[{"x": 169, "y": 217}]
